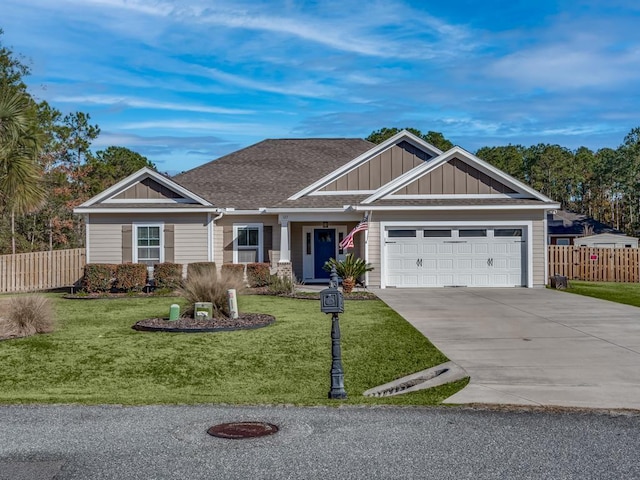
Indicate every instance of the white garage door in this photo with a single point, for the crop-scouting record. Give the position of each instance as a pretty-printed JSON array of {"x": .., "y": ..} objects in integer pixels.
[{"x": 470, "y": 257}]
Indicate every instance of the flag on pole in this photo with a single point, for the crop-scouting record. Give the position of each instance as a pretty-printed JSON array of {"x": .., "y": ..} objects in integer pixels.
[{"x": 347, "y": 242}]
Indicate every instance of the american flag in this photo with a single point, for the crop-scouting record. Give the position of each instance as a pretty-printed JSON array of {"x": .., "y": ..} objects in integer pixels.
[{"x": 347, "y": 242}]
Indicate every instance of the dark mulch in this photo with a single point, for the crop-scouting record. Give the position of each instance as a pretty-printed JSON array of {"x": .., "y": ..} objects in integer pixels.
[
  {"x": 355, "y": 295},
  {"x": 188, "y": 324}
]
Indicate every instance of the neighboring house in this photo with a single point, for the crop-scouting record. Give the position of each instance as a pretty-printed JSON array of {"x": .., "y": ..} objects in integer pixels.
[
  {"x": 435, "y": 219},
  {"x": 564, "y": 227},
  {"x": 607, "y": 240}
]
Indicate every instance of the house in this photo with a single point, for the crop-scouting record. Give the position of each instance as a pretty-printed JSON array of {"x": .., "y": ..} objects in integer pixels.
[
  {"x": 434, "y": 218},
  {"x": 607, "y": 240},
  {"x": 564, "y": 227}
]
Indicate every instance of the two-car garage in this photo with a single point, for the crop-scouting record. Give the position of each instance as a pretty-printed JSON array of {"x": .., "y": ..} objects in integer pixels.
[{"x": 455, "y": 256}]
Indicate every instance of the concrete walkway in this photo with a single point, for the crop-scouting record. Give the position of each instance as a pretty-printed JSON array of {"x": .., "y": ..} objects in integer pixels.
[{"x": 531, "y": 346}]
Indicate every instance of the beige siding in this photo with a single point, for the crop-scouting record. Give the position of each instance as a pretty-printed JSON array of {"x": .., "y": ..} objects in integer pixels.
[
  {"x": 373, "y": 241},
  {"x": 147, "y": 189},
  {"x": 190, "y": 235},
  {"x": 454, "y": 177},
  {"x": 539, "y": 248},
  {"x": 381, "y": 169},
  {"x": 223, "y": 236}
]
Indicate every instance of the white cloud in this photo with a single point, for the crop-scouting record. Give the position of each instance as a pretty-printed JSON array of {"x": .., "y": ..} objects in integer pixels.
[{"x": 147, "y": 104}]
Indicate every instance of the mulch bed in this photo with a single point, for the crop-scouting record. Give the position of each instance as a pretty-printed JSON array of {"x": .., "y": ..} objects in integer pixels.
[{"x": 244, "y": 321}]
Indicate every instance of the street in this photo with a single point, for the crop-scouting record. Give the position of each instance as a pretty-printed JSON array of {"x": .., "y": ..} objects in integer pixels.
[{"x": 170, "y": 442}]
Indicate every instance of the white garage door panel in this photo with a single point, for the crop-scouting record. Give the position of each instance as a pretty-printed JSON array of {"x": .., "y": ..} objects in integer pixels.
[{"x": 486, "y": 261}]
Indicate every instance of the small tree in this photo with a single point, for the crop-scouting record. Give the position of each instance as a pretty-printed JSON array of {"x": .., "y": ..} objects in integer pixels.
[{"x": 350, "y": 270}]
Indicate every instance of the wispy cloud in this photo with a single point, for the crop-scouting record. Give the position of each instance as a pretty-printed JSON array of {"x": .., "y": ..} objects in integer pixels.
[{"x": 147, "y": 104}]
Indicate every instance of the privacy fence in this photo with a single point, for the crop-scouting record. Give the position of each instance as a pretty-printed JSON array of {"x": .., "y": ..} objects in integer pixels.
[
  {"x": 595, "y": 264},
  {"x": 25, "y": 272}
]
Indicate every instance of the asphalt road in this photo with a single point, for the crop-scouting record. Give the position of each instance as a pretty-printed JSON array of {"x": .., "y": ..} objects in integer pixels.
[{"x": 170, "y": 442}]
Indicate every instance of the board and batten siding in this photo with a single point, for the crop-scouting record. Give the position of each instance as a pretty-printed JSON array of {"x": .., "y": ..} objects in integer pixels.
[
  {"x": 537, "y": 234},
  {"x": 190, "y": 235}
]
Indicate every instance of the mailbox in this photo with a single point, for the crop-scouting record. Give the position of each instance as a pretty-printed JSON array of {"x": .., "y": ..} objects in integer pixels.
[{"x": 331, "y": 300}]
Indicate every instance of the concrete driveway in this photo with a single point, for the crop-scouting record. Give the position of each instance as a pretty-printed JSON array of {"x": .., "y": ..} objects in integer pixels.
[{"x": 531, "y": 346}]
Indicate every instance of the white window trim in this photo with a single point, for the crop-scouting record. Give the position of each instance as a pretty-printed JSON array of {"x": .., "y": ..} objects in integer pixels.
[
  {"x": 134, "y": 239},
  {"x": 236, "y": 247}
]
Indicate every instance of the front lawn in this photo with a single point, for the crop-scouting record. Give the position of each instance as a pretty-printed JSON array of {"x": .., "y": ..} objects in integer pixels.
[
  {"x": 95, "y": 357},
  {"x": 628, "y": 293}
]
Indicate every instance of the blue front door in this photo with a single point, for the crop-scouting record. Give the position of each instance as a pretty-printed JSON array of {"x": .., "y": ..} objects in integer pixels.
[{"x": 324, "y": 247}]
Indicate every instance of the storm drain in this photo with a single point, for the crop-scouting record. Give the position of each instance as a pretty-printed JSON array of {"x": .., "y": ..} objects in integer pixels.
[
  {"x": 240, "y": 430},
  {"x": 408, "y": 384},
  {"x": 432, "y": 377}
]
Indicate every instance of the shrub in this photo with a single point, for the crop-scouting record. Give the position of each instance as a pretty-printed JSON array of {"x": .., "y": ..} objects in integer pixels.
[
  {"x": 201, "y": 287},
  {"x": 281, "y": 285},
  {"x": 258, "y": 274},
  {"x": 98, "y": 277},
  {"x": 131, "y": 277},
  {"x": 202, "y": 267},
  {"x": 168, "y": 275},
  {"x": 27, "y": 315},
  {"x": 349, "y": 269},
  {"x": 234, "y": 269}
]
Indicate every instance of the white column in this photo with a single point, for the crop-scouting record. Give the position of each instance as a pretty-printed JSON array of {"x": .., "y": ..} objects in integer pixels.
[{"x": 285, "y": 252}]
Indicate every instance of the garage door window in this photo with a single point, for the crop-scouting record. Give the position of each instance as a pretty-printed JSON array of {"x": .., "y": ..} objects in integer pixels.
[
  {"x": 507, "y": 232},
  {"x": 402, "y": 233},
  {"x": 473, "y": 233},
  {"x": 437, "y": 233}
]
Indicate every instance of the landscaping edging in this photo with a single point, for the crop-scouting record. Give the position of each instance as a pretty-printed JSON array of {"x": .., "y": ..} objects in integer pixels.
[{"x": 246, "y": 321}]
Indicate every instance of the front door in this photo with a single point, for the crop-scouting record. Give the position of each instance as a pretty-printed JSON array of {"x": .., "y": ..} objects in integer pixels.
[{"x": 324, "y": 247}]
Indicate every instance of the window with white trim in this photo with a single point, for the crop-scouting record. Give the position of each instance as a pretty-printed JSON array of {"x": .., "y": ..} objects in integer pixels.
[
  {"x": 247, "y": 243},
  {"x": 148, "y": 244}
]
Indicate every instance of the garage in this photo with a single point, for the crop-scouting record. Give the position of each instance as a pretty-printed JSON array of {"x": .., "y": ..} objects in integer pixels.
[{"x": 465, "y": 256}]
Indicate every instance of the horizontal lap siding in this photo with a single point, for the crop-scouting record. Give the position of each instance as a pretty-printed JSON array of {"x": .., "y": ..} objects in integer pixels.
[
  {"x": 190, "y": 235},
  {"x": 539, "y": 247},
  {"x": 223, "y": 236},
  {"x": 373, "y": 240}
]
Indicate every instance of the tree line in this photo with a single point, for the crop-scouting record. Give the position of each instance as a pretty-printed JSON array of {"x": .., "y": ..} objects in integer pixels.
[
  {"x": 603, "y": 184},
  {"x": 47, "y": 166}
]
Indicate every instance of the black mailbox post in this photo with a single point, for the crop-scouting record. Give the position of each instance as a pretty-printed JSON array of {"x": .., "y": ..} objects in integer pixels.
[{"x": 332, "y": 301}]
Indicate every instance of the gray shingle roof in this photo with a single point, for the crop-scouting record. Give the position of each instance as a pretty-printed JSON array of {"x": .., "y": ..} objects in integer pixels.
[{"x": 269, "y": 172}]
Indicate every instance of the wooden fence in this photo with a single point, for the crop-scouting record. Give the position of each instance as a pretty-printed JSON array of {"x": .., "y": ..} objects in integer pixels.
[
  {"x": 41, "y": 270},
  {"x": 595, "y": 264}
]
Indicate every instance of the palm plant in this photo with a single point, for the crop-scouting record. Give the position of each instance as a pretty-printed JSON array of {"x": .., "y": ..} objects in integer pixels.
[
  {"x": 349, "y": 269},
  {"x": 20, "y": 179}
]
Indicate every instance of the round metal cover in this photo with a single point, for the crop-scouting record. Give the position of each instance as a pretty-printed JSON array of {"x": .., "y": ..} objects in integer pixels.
[{"x": 239, "y": 430}]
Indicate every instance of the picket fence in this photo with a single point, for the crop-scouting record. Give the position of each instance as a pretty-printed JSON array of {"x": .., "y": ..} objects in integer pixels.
[
  {"x": 26, "y": 272},
  {"x": 595, "y": 264}
]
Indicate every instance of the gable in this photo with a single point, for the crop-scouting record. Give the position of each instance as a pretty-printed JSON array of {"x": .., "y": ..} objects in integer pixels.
[
  {"x": 380, "y": 169},
  {"x": 455, "y": 177},
  {"x": 148, "y": 189}
]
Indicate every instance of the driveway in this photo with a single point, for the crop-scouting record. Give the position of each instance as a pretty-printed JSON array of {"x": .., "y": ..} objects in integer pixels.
[{"x": 531, "y": 346}]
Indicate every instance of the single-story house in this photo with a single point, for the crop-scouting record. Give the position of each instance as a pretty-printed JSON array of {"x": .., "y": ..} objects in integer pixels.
[
  {"x": 564, "y": 227},
  {"x": 434, "y": 218},
  {"x": 607, "y": 240}
]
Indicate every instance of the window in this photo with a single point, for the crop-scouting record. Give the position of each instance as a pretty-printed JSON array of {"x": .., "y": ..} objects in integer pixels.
[
  {"x": 437, "y": 233},
  {"x": 562, "y": 241},
  {"x": 402, "y": 233},
  {"x": 247, "y": 243},
  {"x": 472, "y": 233},
  {"x": 507, "y": 232},
  {"x": 148, "y": 244}
]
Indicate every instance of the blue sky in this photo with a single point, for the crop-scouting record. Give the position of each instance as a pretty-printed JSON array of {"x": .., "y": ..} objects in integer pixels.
[{"x": 184, "y": 82}]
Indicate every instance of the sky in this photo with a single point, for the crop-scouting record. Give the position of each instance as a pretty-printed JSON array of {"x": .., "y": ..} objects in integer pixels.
[{"x": 185, "y": 82}]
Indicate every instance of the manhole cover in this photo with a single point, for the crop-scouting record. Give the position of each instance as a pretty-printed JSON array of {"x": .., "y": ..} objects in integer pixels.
[{"x": 239, "y": 430}]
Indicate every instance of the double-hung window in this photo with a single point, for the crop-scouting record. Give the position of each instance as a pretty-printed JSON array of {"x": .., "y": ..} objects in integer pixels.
[
  {"x": 247, "y": 243},
  {"x": 148, "y": 244}
]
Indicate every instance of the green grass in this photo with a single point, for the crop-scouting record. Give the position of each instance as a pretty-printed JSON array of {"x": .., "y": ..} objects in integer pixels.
[
  {"x": 95, "y": 357},
  {"x": 628, "y": 293}
]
